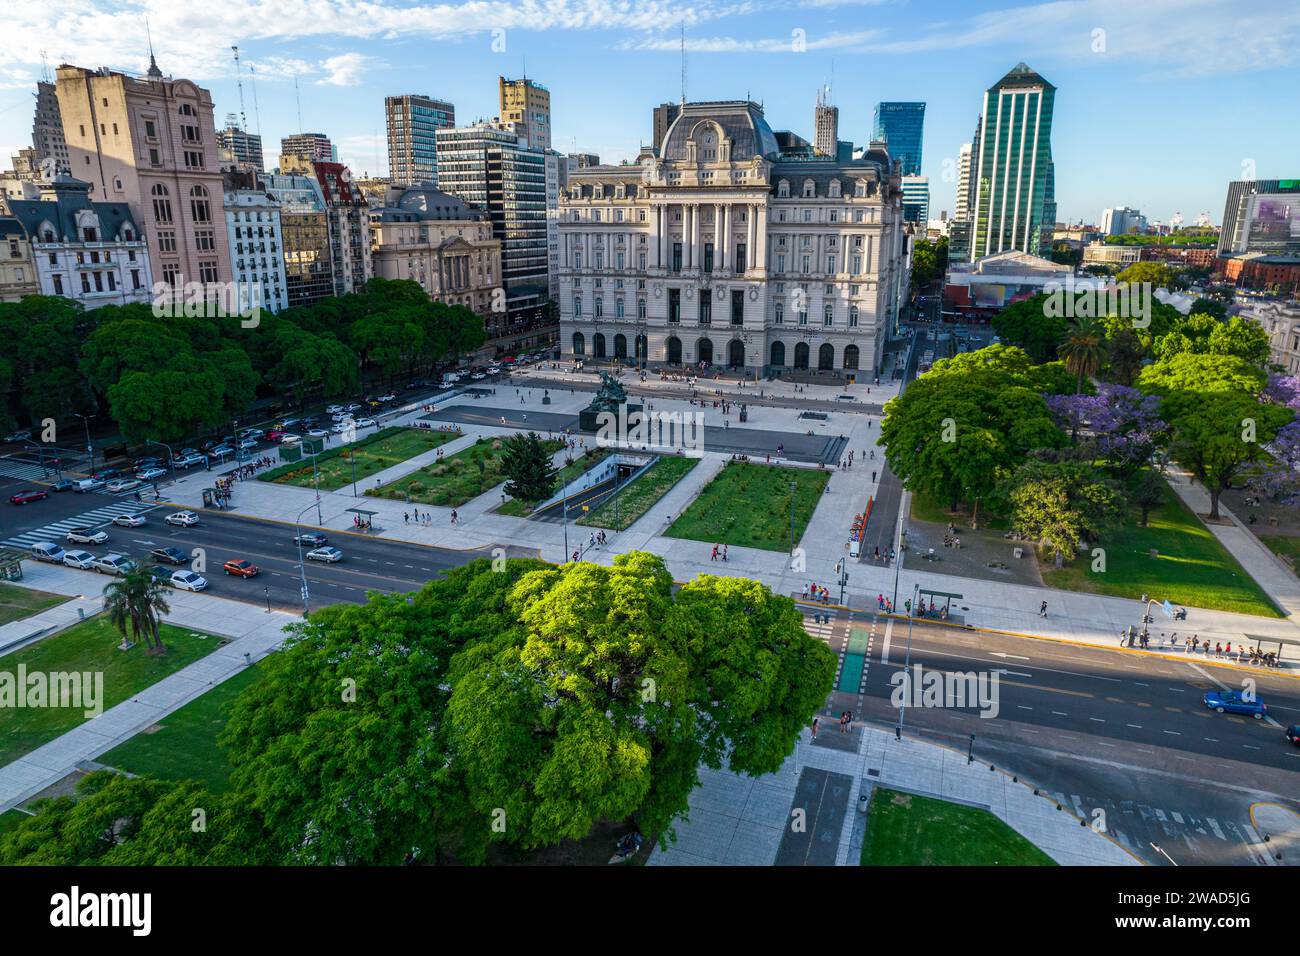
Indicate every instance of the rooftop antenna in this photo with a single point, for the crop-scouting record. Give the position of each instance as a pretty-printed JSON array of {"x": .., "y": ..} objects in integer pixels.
[
  {"x": 683, "y": 61},
  {"x": 298, "y": 99},
  {"x": 45, "y": 67},
  {"x": 239, "y": 82},
  {"x": 257, "y": 114},
  {"x": 153, "y": 64}
]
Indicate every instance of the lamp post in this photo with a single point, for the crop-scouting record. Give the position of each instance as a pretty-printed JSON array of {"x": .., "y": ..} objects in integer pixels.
[
  {"x": 171, "y": 456},
  {"x": 565, "y": 503},
  {"x": 793, "y": 486},
  {"x": 907, "y": 665},
  {"x": 90, "y": 449},
  {"x": 302, "y": 563}
]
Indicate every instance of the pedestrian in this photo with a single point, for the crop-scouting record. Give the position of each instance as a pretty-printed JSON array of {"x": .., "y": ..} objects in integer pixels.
[
  {"x": 406, "y": 518},
  {"x": 1042, "y": 609},
  {"x": 816, "y": 722},
  {"x": 714, "y": 556},
  {"x": 724, "y": 552}
]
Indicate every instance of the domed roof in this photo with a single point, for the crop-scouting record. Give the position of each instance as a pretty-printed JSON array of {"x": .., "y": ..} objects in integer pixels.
[{"x": 739, "y": 121}]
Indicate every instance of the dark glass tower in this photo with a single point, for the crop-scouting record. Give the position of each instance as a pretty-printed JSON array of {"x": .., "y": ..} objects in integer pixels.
[{"x": 901, "y": 126}]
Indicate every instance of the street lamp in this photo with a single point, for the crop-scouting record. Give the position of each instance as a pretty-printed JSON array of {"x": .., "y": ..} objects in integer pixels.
[
  {"x": 171, "y": 456},
  {"x": 793, "y": 486},
  {"x": 90, "y": 449},
  {"x": 302, "y": 564},
  {"x": 907, "y": 665}
]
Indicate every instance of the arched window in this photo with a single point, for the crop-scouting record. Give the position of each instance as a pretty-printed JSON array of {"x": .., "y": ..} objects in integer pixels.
[
  {"x": 834, "y": 190},
  {"x": 620, "y": 346},
  {"x": 187, "y": 110},
  {"x": 674, "y": 350},
  {"x": 736, "y": 353},
  {"x": 579, "y": 344},
  {"x": 783, "y": 189},
  {"x": 162, "y": 204},
  {"x": 704, "y": 351},
  {"x": 826, "y": 357},
  {"x": 200, "y": 205},
  {"x": 851, "y": 356},
  {"x": 801, "y": 355},
  {"x": 778, "y": 355},
  {"x": 809, "y": 189},
  {"x": 598, "y": 345}
]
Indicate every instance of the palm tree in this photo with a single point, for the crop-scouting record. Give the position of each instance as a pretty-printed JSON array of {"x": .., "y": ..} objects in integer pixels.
[
  {"x": 1083, "y": 347},
  {"x": 134, "y": 602}
]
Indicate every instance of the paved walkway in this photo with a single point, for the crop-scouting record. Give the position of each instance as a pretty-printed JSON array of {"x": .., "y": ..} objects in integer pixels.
[
  {"x": 1281, "y": 826},
  {"x": 741, "y": 821},
  {"x": 250, "y": 631},
  {"x": 16, "y": 634}
]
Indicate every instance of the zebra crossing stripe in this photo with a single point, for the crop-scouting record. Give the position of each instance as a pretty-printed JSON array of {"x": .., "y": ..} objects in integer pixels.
[{"x": 58, "y": 529}]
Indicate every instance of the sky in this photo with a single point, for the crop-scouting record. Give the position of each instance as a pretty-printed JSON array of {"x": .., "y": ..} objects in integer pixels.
[{"x": 1159, "y": 103}]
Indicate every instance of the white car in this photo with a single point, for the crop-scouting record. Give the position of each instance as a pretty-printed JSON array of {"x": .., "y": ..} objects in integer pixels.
[
  {"x": 289, "y": 438},
  {"x": 189, "y": 581},
  {"x": 184, "y": 519},
  {"x": 333, "y": 409},
  {"x": 122, "y": 484},
  {"x": 478, "y": 376},
  {"x": 366, "y": 423},
  {"x": 328, "y": 554},
  {"x": 247, "y": 443},
  {"x": 317, "y": 433},
  {"x": 188, "y": 461},
  {"x": 338, "y": 428},
  {"x": 129, "y": 521},
  {"x": 387, "y": 397},
  {"x": 113, "y": 564},
  {"x": 353, "y": 407},
  {"x": 254, "y": 433},
  {"x": 79, "y": 559},
  {"x": 87, "y": 536},
  {"x": 151, "y": 474}
]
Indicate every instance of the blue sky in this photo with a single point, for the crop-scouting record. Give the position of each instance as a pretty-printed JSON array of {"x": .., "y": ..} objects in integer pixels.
[{"x": 1159, "y": 102}]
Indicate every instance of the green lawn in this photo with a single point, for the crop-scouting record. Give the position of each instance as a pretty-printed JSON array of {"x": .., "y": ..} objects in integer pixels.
[
  {"x": 641, "y": 495},
  {"x": 384, "y": 449},
  {"x": 457, "y": 479},
  {"x": 748, "y": 505},
  {"x": 184, "y": 745},
  {"x": 1284, "y": 546},
  {"x": 91, "y": 646},
  {"x": 907, "y": 830},
  {"x": 18, "y": 602},
  {"x": 1192, "y": 568},
  {"x": 925, "y": 508},
  {"x": 517, "y": 509}
]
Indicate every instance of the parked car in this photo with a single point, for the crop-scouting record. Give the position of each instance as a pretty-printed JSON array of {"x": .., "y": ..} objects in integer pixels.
[
  {"x": 1234, "y": 702},
  {"x": 366, "y": 423},
  {"x": 27, "y": 496},
  {"x": 129, "y": 521},
  {"x": 85, "y": 485},
  {"x": 1293, "y": 734},
  {"x": 83, "y": 560},
  {"x": 161, "y": 574},
  {"x": 189, "y": 581},
  {"x": 107, "y": 474},
  {"x": 328, "y": 554},
  {"x": 151, "y": 474},
  {"x": 87, "y": 536},
  {"x": 254, "y": 433},
  {"x": 169, "y": 555},
  {"x": 122, "y": 484},
  {"x": 352, "y": 407},
  {"x": 63, "y": 484},
  {"x": 113, "y": 564},
  {"x": 288, "y": 438},
  {"x": 338, "y": 428},
  {"x": 332, "y": 409},
  {"x": 241, "y": 567},
  {"x": 388, "y": 397},
  {"x": 20, "y": 435},
  {"x": 190, "y": 451},
  {"x": 478, "y": 376},
  {"x": 47, "y": 551},
  {"x": 274, "y": 435},
  {"x": 221, "y": 451},
  {"x": 317, "y": 433},
  {"x": 313, "y": 539},
  {"x": 188, "y": 461},
  {"x": 247, "y": 443},
  {"x": 184, "y": 519}
]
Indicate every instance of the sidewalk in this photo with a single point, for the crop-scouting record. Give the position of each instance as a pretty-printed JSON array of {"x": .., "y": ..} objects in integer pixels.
[
  {"x": 250, "y": 631},
  {"x": 1281, "y": 825},
  {"x": 740, "y": 821},
  {"x": 19, "y": 633}
]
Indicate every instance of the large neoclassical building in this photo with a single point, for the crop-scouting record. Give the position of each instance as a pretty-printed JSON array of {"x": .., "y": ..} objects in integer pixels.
[{"x": 736, "y": 247}]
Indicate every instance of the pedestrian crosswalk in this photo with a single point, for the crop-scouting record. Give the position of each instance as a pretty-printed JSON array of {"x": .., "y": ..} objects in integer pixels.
[
  {"x": 23, "y": 471},
  {"x": 1133, "y": 824},
  {"x": 55, "y": 532}
]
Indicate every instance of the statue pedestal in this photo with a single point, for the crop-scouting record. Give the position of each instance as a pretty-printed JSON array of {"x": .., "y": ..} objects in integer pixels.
[{"x": 589, "y": 418}]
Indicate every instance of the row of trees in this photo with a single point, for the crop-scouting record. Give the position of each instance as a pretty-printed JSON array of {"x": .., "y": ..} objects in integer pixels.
[
  {"x": 1022, "y": 429},
  {"x": 515, "y": 703},
  {"x": 167, "y": 378}
]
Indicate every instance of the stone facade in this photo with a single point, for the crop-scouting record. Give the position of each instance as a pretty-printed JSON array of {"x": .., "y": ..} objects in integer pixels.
[
  {"x": 719, "y": 251},
  {"x": 17, "y": 270}
]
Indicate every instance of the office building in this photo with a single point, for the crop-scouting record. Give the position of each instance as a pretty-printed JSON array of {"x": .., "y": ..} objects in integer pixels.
[
  {"x": 526, "y": 106},
  {"x": 491, "y": 167},
  {"x": 17, "y": 268},
  {"x": 1014, "y": 179},
  {"x": 47, "y": 133},
  {"x": 88, "y": 251},
  {"x": 255, "y": 234},
  {"x": 722, "y": 250},
  {"x": 664, "y": 116},
  {"x": 916, "y": 199},
  {"x": 413, "y": 122},
  {"x": 243, "y": 148},
  {"x": 150, "y": 142},
  {"x": 826, "y": 125},
  {"x": 1261, "y": 215},
  {"x": 305, "y": 237},
  {"x": 961, "y": 211},
  {"x": 311, "y": 147},
  {"x": 443, "y": 243},
  {"x": 1122, "y": 220},
  {"x": 902, "y": 127},
  {"x": 348, "y": 220}
]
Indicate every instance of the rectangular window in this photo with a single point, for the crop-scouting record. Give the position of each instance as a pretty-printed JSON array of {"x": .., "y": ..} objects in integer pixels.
[
  {"x": 803, "y": 316},
  {"x": 600, "y": 307},
  {"x": 830, "y": 265},
  {"x": 828, "y": 315},
  {"x": 577, "y": 306},
  {"x": 674, "y": 305},
  {"x": 112, "y": 282},
  {"x": 740, "y": 257},
  {"x": 640, "y": 308},
  {"x": 58, "y": 284},
  {"x": 677, "y": 257},
  {"x": 153, "y": 158},
  {"x": 618, "y": 308},
  {"x": 778, "y": 316},
  {"x": 708, "y": 257},
  {"x": 737, "y": 306},
  {"x": 857, "y": 265},
  {"x": 853, "y": 316},
  {"x": 780, "y": 262},
  {"x": 806, "y": 264},
  {"x": 135, "y": 278},
  {"x": 706, "y": 308}
]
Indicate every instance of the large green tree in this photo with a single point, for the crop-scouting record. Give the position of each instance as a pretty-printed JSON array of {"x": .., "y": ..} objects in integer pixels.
[
  {"x": 526, "y": 463},
  {"x": 1060, "y": 504},
  {"x": 1197, "y": 372}
]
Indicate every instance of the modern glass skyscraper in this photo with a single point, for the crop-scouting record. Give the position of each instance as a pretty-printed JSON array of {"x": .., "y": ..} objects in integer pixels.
[
  {"x": 901, "y": 126},
  {"x": 413, "y": 123},
  {"x": 1015, "y": 205}
]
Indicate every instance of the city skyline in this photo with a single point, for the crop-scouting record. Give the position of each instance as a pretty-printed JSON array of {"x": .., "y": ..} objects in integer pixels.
[{"x": 343, "y": 71}]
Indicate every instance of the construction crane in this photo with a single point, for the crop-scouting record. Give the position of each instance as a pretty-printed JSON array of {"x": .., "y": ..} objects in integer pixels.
[{"x": 239, "y": 82}]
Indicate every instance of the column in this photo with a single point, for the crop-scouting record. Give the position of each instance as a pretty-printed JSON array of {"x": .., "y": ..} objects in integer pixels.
[
  {"x": 659, "y": 236},
  {"x": 751, "y": 226},
  {"x": 760, "y": 239},
  {"x": 725, "y": 242},
  {"x": 695, "y": 235}
]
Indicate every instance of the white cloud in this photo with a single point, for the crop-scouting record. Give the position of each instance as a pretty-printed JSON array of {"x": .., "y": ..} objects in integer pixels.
[{"x": 343, "y": 70}]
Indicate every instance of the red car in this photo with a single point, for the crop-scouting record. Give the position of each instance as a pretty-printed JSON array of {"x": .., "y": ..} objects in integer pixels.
[
  {"x": 274, "y": 435},
  {"x": 28, "y": 496},
  {"x": 241, "y": 567}
]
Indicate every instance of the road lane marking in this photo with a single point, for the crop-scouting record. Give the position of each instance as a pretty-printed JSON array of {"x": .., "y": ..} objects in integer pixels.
[{"x": 1134, "y": 726}]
